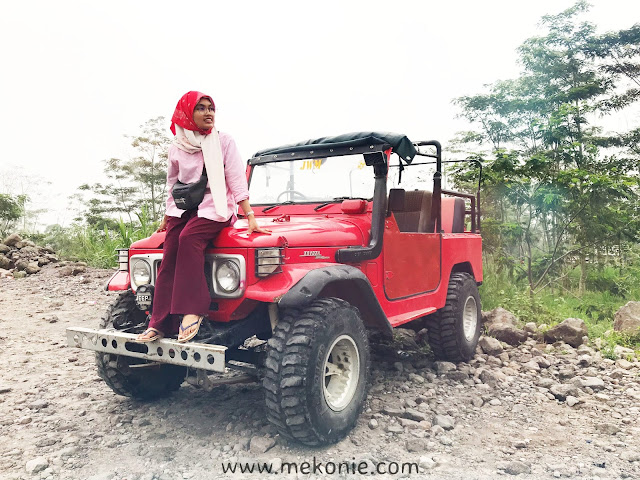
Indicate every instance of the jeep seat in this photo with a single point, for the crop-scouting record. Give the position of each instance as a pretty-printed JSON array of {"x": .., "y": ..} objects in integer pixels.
[
  {"x": 412, "y": 210},
  {"x": 453, "y": 211}
]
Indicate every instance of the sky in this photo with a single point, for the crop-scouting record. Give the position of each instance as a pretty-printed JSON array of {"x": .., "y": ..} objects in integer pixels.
[{"x": 79, "y": 75}]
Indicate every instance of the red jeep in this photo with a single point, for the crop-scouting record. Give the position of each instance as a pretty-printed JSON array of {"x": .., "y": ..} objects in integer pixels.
[{"x": 346, "y": 255}]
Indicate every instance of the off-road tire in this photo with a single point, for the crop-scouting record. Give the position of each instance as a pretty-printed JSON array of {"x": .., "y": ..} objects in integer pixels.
[
  {"x": 446, "y": 328},
  {"x": 142, "y": 383},
  {"x": 295, "y": 382}
]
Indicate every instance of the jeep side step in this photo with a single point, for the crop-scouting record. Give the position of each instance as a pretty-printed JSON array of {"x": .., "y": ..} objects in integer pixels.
[{"x": 193, "y": 355}]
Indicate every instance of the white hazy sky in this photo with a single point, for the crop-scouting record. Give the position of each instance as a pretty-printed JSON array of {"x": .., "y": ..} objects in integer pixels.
[{"x": 77, "y": 75}]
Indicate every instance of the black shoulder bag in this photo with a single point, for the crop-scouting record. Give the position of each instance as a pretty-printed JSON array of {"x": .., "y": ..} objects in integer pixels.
[{"x": 188, "y": 196}]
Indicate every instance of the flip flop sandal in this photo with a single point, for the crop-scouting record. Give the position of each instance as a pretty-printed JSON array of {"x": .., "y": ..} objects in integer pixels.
[
  {"x": 192, "y": 334},
  {"x": 144, "y": 339}
]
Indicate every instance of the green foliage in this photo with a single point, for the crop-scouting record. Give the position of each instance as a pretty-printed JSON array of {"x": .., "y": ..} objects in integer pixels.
[
  {"x": 95, "y": 246},
  {"x": 131, "y": 185},
  {"x": 11, "y": 209}
]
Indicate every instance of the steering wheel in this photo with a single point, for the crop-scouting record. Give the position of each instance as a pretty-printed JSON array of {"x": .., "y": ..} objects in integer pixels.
[{"x": 295, "y": 193}]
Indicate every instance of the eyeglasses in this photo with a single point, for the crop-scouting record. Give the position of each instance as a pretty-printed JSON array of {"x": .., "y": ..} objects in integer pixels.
[{"x": 202, "y": 109}]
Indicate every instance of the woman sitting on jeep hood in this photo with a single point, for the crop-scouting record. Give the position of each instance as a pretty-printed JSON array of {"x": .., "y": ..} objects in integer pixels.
[{"x": 181, "y": 287}]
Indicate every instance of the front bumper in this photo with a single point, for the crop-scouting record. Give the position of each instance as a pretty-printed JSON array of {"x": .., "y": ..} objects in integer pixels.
[{"x": 193, "y": 355}]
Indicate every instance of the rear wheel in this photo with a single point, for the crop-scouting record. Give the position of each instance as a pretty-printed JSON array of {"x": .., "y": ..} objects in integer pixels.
[
  {"x": 317, "y": 371},
  {"x": 455, "y": 329},
  {"x": 130, "y": 376}
]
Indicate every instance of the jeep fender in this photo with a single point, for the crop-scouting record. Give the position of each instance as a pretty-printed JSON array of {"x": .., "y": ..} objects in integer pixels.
[{"x": 342, "y": 281}]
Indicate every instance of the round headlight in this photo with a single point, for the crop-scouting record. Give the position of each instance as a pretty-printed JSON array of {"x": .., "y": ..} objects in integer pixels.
[
  {"x": 228, "y": 276},
  {"x": 141, "y": 272}
]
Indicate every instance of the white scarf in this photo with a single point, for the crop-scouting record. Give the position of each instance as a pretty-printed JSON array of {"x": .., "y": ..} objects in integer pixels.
[{"x": 192, "y": 142}]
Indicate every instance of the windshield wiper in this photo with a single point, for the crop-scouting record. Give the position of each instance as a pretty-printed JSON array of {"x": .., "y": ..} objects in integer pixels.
[
  {"x": 288, "y": 202},
  {"x": 338, "y": 199}
]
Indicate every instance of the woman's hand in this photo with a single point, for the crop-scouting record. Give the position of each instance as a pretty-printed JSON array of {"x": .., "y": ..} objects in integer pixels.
[
  {"x": 163, "y": 224},
  {"x": 254, "y": 227}
]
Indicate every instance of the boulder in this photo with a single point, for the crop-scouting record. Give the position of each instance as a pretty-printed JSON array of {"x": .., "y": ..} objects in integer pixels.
[
  {"x": 4, "y": 262},
  {"x": 570, "y": 331},
  {"x": 4, "y": 248},
  {"x": 627, "y": 318},
  {"x": 490, "y": 346},
  {"x": 32, "y": 268},
  {"x": 21, "y": 265},
  {"x": 12, "y": 239},
  {"x": 507, "y": 333},
  {"x": 499, "y": 315}
]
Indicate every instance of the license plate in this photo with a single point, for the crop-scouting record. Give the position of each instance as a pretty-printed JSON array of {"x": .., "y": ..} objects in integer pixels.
[{"x": 143, "y": 298}]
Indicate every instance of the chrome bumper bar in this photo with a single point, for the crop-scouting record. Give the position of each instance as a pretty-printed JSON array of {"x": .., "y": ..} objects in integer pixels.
[{"x": 192, "y": 355}]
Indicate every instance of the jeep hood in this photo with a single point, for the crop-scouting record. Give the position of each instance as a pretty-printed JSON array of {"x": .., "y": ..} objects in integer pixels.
[
  {"x": 297, "y": 231},
  {"x": 302, "y": 231}
]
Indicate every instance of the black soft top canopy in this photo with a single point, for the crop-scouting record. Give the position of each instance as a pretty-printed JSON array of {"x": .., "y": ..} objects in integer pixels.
[{"x": 357, "y": 142}]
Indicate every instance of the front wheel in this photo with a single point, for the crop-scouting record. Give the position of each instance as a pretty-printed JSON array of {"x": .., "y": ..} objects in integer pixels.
[
  {"x": 317, "y": 370},
  {"x": 134, "y": 377},
  {"x": 455, "y": 329}
]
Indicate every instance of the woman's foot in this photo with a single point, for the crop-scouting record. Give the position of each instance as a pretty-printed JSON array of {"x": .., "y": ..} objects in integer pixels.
[
  {"x": 189, "y": 327},
  {"x": 149, "y": 335}
]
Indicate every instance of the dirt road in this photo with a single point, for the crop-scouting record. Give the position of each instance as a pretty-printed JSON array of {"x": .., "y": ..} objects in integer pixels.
[{"x": 533, "y": 412}]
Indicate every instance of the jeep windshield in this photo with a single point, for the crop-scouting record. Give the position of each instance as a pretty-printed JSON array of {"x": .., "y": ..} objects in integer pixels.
[{"x": 311, "y": 180}]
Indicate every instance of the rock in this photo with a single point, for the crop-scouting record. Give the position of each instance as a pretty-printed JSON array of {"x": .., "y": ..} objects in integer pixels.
[
  {"x": 394, "y": 428},
  {"x": 437, "y": 430},
  {"x": 5, "y": 263},
  {"x": 446, "y": 441},
  {"x": 426, "y": 463},
  {"x": 607, "y": 428},
  {"x": 373, "y": 424},
  {"x": 490, "y": 346},
  {"x": 393, "y": 412},
  {"x": 65, "y": 271},
  {"x": 621, "y": 351},
  {"x": 541, "y": 361},
  {"x": 530, "y": 327},
  {"x": 624, "y": 364},
  {"x": 499, "y": 315},
  {"x": 571, "y": 400},
  {"x": 507, "y": 333},
  {"x": 570, "y": 331},
  {"x": 415, "y": 415},
  {"x": 4, "y": 248},
  {"x": 627, "y": 318},
  {"x": 514, "y": 467},
  {"x": 261, "y": 444},
  {"x": 532, "y": 365},
  {"x": 416, "y": 378},
  {"x": 494, "y": 402},
  {"x": 32, "y": 268},
  {"x": 445, "y": 421},
  {"x": 19, "y": 274},
  {"x": 12, "y": 239},
  {"x": 630, "y": 456},
  {"x": 37, "y": 465},
  {"x": 77, "y": 269},
  {"x": 490, "y": 378},
  {"x": 444, "y": 367},
  {"x": 593, "y": 383},
  {"x": 39, "y": 404},
  {"x": 562, "y": 390},
  {"x": 21, "y": 265}
]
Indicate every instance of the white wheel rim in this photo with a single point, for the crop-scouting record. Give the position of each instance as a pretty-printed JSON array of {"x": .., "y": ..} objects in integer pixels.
[
  {"x": 341, "y": 371},
  {"x": 470, "y": 318}
]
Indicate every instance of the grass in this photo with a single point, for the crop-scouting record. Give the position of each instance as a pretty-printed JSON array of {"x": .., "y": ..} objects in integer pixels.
[{"x": 596, "y": 307}]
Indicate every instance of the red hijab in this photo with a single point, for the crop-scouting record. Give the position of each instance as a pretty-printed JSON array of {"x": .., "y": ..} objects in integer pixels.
[{"x": 183, "y": 115}]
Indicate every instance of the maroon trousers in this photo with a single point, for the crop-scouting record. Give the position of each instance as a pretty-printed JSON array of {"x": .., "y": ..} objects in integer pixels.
[{"x": 181, "y": 286}]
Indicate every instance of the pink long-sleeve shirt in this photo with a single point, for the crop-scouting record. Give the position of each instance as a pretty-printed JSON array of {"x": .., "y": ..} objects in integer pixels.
[{"x": 187, "y": 167}]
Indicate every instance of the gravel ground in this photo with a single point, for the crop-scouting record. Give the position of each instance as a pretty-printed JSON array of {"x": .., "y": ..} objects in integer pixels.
[{"x": 535, "y": 411}]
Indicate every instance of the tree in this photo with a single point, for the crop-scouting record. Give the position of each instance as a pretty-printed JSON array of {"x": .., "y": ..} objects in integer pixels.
[
  {"x": 553, "y": 192},
  {"x": 10, "y": 212},
  {"x": 132, "y": 186}
]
